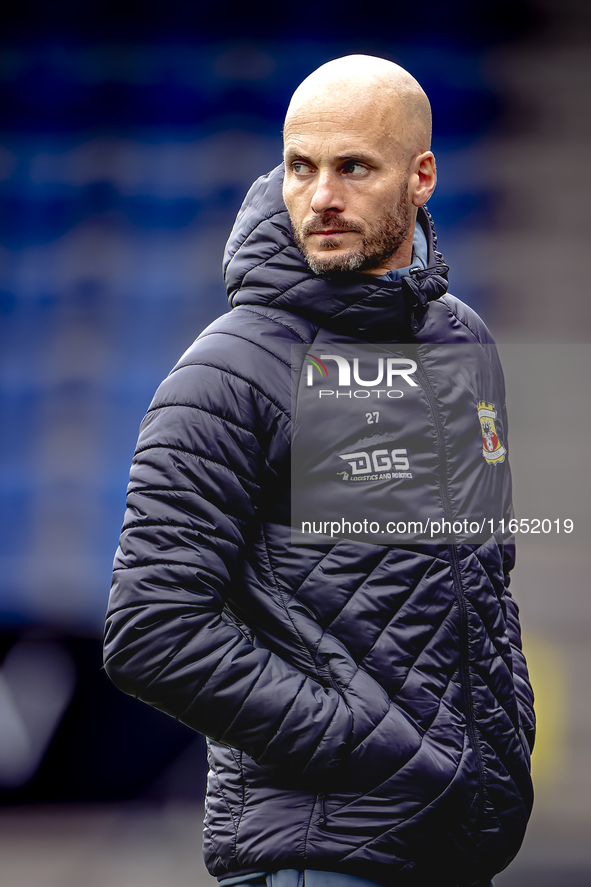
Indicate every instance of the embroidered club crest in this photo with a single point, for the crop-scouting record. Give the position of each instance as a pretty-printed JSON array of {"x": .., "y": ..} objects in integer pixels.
[{"x": 492, "y": 449}]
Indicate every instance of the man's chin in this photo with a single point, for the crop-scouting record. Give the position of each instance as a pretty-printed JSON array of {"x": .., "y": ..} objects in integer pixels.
[{"x": 335, "y": 262}]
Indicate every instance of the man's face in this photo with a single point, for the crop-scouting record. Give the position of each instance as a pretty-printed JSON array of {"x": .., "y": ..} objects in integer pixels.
[{"x": 346, "y": 190}]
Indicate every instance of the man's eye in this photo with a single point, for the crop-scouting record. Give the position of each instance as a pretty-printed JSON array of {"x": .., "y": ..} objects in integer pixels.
[
  {"x": 300, "y": 168},
  {"x": 354, "y": 168}
]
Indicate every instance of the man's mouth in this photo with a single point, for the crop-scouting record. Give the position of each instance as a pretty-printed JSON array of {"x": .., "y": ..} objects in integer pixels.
[
  {"x": 330, "y": 227},
  {"x": 332, "y": 232}
]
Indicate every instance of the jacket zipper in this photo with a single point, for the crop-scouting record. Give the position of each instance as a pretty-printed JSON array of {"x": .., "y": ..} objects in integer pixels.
[{"x": 457, "y": 581}]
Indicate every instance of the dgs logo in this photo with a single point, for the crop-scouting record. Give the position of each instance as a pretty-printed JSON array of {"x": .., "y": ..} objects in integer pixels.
[{"x": 376, "y": 461}]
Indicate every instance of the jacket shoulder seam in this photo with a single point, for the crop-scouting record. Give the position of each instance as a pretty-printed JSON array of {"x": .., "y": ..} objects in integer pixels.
[
  {"x": 233, "y": 375},
  {"x": 249, "y": 341},
  {"x": 252, "y": 310}
]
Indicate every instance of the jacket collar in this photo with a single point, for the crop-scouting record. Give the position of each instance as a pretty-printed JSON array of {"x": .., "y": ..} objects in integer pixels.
[{"x": 263, "y": 266}]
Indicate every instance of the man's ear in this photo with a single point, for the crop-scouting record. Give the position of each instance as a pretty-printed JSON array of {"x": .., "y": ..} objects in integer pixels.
[{"x": 423, "y": 178}]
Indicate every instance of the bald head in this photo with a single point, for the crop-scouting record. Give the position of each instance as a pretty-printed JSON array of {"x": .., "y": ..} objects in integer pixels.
[{"x": 373, "y": 87}]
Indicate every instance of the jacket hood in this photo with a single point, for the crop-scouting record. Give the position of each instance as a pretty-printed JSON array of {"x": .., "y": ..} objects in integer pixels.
[{"x": 263, "y": 266}]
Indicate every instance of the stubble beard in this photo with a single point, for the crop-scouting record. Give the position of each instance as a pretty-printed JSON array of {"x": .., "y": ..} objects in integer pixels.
[{"x": 379, "y": 244}]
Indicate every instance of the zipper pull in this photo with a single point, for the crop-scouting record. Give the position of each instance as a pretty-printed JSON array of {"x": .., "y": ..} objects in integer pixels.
[{"x": 322, "y": 817}]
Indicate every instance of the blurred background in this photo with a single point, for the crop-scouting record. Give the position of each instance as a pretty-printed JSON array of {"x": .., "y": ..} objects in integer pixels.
[{"x": 129, "y": 134}]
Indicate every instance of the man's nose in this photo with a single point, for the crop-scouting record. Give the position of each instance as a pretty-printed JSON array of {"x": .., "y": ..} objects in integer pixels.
[{"x": 328, "y": 195}]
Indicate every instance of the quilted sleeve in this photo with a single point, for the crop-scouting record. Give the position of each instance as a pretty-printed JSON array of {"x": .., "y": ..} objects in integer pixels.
[{"x": 192, "y": 503}]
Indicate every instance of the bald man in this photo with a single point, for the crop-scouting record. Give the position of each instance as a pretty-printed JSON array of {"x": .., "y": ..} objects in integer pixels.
[{"x": 314, "y": 565}]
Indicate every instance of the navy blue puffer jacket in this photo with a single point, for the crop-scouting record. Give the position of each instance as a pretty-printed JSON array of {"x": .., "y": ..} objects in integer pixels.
[{"x": 367, "y": 706}]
